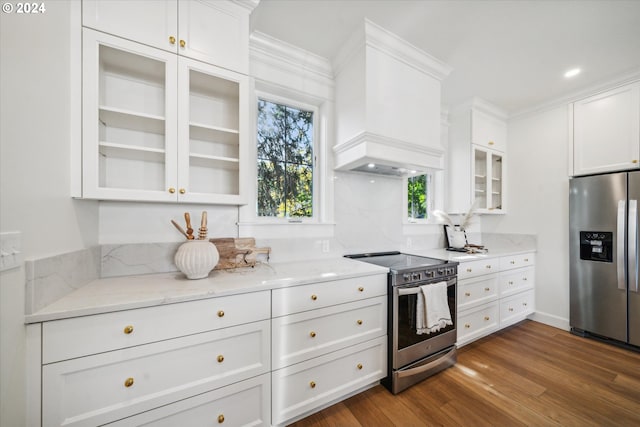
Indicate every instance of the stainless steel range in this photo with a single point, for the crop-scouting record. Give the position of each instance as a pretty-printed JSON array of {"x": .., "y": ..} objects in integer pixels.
[{"x": 413, "y": 354}]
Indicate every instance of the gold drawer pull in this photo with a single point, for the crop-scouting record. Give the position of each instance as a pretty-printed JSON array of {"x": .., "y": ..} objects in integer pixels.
[
  {"x": 312, "y": 384},
  {"x": 172, "y": 190},
  {"x": 491, "y": 142},
  {"x": 172, "y": 40},
  {"x": 524, "y": 303},
  {"x": 469, "y": 270},
  {"x": 359, "y": 322},
  {"x": 359, "y": 365},
  {"x": 510, "y": 309},
  {"x": 128, "y": 329},
  {"x": 128, "y": 382},
  {"x": 314, "y": 297},
  {"x": 510, "y": 282},
  {"x": 466, "y": 325},
  {"x": 361, "y": 289},
  {"x": 220, "y": 419},
  {"x": 526, "y": 260},
  {"x": 488, "y": 266},
  {"x": 512, "y": 262},
  {"x": 467, "y": 294},
  {"x": 182, "y": 191},
  {"x": 220, "y": 313},
  {"x": 524, "y": 279},
  {"x": 220, "y": 358},
  {"x": 486, "y": 318},
  {"x": 182, "y": 43},
  {"x": 312, "y": 334},
  {"x": 487, "y": 289}
]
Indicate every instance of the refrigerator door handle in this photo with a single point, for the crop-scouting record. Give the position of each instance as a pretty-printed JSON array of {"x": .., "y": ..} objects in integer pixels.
[
  {"x": 632, "y": 245},
  {"x": 622, "y": 211}
]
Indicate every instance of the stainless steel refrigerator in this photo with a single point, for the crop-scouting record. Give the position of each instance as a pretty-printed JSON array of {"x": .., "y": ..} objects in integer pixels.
[{"x": 603, "y": 241}]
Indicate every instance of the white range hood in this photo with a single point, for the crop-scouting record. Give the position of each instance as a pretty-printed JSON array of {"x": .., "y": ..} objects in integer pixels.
[{"x": 387, "y": 105}]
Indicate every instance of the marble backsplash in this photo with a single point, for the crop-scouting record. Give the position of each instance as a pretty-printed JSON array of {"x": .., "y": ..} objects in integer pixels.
[{"x": 51, "y": 278}]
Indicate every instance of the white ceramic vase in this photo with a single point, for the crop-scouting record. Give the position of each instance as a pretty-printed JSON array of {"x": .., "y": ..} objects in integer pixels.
[{"x": 196, "y": 258}]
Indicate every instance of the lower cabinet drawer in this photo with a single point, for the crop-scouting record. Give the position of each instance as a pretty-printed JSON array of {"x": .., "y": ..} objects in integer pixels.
[
  {"x": 477, "y": 291},
  {"x": 515, "y": 281},
  {"x": 109, "y": 386},
  {"x": 246, "y": 403},
  {"x": 516, "y": 308},
  {"x": 477, "y": 322},
  {"x": 308, "y": 385},
  {"x": 302, "y": 336}
]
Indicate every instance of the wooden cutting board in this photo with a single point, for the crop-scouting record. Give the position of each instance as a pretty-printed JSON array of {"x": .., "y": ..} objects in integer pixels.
[{"x": 238, "y": 252}]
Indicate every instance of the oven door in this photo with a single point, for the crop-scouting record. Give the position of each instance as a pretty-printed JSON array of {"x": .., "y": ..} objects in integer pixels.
[{"x": 408, "y": 346}]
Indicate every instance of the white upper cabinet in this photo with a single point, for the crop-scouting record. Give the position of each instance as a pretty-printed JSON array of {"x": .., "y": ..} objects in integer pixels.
[
  {"x": 212, "y": 31},
  {"x": 477, "y": 158},
  {"x": 606, "y": 131}
]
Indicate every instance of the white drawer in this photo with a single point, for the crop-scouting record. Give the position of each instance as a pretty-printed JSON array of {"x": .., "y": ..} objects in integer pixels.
[
  {"x": 478, "y": 268},
  {"x": 515, "y": 281},
  {"x": 517, "y": 261},
  {"x": 240, "y": 404},
  {"x": 317, "y": 295},
  {"x": 516, "y": 308},
  {"x": 301, "y": 336},
  {"x": 81, "y": 336},
  {"x": 97, "y": 389},
  {"x": 477, "y": 291},
  {"x": 309, "y": 385},
  {"x": 477, "y": 322}
]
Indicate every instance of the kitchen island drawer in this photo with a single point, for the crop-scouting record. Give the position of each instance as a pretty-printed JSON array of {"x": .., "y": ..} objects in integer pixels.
[
  {"x": 516, "y": 308},
  {"x": 240, "y": 404},
  {"x": 301, "y": 336},
  {"x": 477, "y": 291},
  {"x": 477, "y": 322},
  {"x": 516, "y": 261},
  {"x": 323, "y": 294},
  {"x": 478, "y": 268},
  {"x": 516, "y": 281},
  {"x": 97, "y": 389},
  {"x": 82, "y": 336},
  {"x": 307, "y": 386}
]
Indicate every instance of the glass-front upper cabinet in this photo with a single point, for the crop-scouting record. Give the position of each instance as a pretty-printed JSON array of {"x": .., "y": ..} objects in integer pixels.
[{"x": 487, "y": 179}]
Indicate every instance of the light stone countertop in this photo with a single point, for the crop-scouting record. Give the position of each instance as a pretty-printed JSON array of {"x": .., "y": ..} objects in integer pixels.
[
  {"x": 130, "y": 292},
  {"x": 464, "y": 257}
]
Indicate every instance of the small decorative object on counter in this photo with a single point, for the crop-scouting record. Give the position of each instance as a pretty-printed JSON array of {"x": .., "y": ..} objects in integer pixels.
[
  {"x": 196, "y": 258},
  {"x": 455, "y": 235},
  {"x": 238, "y": 252}
]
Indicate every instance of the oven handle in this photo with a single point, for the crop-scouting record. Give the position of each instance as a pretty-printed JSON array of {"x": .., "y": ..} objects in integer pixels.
[
  {"x": 426, "y": 366},
  {"x": 415, "y": 288}
]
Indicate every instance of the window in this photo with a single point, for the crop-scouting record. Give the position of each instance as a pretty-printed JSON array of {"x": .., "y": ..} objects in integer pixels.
[
  {"x": 285, "y": 142},
  {"x": 419, "y": 197}
]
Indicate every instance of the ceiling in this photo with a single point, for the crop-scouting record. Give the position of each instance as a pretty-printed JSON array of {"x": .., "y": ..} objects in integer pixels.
[{"x": 510, "y": 53}]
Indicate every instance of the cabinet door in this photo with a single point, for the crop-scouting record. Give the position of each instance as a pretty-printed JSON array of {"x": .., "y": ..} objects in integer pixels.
[
  {"x": 606, "y": 131},
  {"x": 488, "y": 185},
  {"x": 488, "y": 131},
  {"x": 212, "y": 117},
  {"x": 216, "y": 32},
  {"x": 129, "y": 127},
  {"x": 152, "y": 22}
]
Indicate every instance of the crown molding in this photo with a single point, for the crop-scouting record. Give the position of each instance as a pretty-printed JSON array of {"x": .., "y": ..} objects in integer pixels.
[{"x": 481, "y": 105}]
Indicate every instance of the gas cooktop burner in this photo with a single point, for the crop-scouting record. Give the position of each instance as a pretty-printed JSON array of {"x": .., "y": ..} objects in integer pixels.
[{"x": 399, "y": 262}]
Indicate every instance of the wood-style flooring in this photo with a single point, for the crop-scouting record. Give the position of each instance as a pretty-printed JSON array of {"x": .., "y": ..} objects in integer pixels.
[{"x": 529, "y": 374}]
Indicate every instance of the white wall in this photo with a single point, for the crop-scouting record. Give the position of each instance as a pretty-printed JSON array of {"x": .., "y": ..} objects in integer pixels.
[
  {"x": 34, "y": 168},
  {"x": 538, "y": 203}
]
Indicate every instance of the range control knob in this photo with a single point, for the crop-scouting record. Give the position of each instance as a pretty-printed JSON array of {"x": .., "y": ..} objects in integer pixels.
[
  {"x": 429, "y": 273},
  {"x": 406, "y": 277}
]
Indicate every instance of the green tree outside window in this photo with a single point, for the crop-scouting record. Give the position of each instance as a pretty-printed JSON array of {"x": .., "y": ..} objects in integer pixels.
[{"x": 417, "y": 187}]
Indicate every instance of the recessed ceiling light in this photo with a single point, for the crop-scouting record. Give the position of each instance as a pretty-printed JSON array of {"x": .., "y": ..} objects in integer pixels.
[
  {"x": 572, "y": 73},
  {"x": 371, "y": 165}
]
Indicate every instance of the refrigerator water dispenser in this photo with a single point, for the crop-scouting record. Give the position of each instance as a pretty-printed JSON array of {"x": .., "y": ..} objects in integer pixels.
[{"x": 596, "y": 246}]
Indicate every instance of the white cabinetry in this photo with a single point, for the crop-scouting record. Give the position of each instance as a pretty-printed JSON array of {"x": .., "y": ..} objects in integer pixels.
[
  {"x": 606, "y": 131},
  {"x": 477, "y": 146},
  {"x": 158, "y": 127},
  {"x": 329, "y": 340},
  {"x": 494, "y": 293},
  {"x": 212, "y": 31},
  {"x": 136, "y": 368}
]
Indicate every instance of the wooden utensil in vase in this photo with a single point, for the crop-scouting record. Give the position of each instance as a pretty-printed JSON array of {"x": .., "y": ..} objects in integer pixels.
[{"x": 187, "y": 219}]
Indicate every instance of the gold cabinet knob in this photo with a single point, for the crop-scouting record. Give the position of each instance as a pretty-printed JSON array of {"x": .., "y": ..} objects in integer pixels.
[
  {"x": 361, "y": 289},
  {"x": 491, "y": 142},
  {"x": 172, "y": 40},
  {"x": 220, "y": 419},
  {"x": 466, "y": 325},
  {"x": 486, "y": 317},
  {"x": 182, "y": 191},
  {"x": 359, "y": 322},
  {"x": 512, "y": 262},
  {"x": 359, "y": 365},
  {"x": 312, "y": 384},
  {"x": 510, "y": 309},
  {"x": 128, "y": 329},
  {"x": 634, "y": 161},
  {"x": 172, "y": 190},
  {"x": 524, "y": 279},
  {"x": 488, "y": 266},
  {"x": 510, "y": 282},
  {"x": 524, "y": 303},
  {"x": 469, "y": 270},
  {"x": 314, "y": 297},
  {"x": 128, "y": 382},
  {"x": 220, "y": 358},
  {"x": 182, "y": 43},
  {"x": 487, "y": 289},
  {"x": 220, "y": 313},
  {"x": 526, "y": 260},
  {"x": 312, "y": 334},
  {"x": 467, "y": 294}
]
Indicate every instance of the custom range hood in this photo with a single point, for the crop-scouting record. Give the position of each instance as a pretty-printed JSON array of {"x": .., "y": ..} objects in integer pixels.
[{"x": 387, "y": 105}]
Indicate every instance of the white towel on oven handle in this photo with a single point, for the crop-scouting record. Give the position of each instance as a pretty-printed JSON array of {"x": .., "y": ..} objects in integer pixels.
[{"x": 432, "y": 308}]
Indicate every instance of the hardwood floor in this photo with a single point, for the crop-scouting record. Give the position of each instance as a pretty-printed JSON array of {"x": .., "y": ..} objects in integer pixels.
[{"x": 527, "y": 375}]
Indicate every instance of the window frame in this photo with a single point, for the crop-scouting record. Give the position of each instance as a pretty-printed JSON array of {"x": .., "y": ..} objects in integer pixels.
[
  {"x": 301, "y": 105},
  {"x": 435, "y": 190}
]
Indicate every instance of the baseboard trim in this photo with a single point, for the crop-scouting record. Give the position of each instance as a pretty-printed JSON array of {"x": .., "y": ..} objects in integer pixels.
[{"x": 551, "y": 320}]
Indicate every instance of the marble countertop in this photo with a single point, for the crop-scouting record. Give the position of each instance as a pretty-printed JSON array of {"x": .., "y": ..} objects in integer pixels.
[
  {"x": 464, "y": 257},
  {"x": 129, "y": 292}
]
